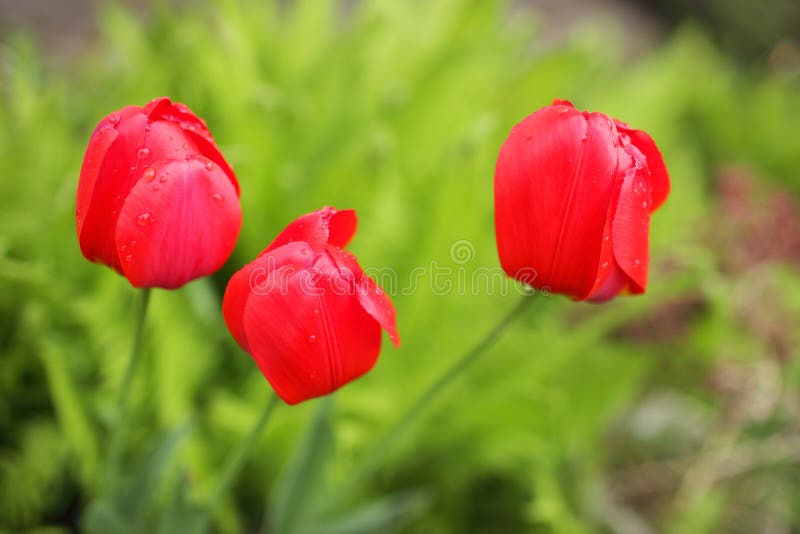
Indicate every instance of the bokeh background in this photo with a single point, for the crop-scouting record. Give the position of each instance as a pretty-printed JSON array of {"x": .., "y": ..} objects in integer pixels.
[{"x": 678, "y": 411}]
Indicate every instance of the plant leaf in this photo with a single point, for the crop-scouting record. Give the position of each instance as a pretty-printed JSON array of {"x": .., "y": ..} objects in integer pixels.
[
  {"x": 384, "y": 515},
  {"x": 298, "y": 487}
]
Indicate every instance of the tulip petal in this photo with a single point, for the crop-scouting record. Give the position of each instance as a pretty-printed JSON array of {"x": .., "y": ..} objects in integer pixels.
[
  {"x": 631, "y": 224},
  {"x": 372, "y": 297},
  {"x": 310, "y": 340},
  {"x": 179, "y": 225},
  {"x": 659, "y": 178},
  {"x": 166, "y": 110},
  {"x": 377, "y": 303},
  {"x": 260, "y": 276},
  {"x": 120, "y": 169},
  {"x": 555, "y": 226},
  {"x": 95, "y": 154},
  {"x": 236, "y": 294},
  {"x": 193, "y": 130},
  {"x": 320, "y": 228}
]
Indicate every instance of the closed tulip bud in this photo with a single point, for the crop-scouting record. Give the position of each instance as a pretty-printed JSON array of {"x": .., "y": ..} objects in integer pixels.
[
  {"x": 156, "y": 202},
  {"x": 573, "y": 196},
  {"x": 306, "y": 312}
]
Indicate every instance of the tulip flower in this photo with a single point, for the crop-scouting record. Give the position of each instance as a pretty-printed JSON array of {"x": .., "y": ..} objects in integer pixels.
[
  {"x": 305, "y": 310},
  {"x": 156, "y": 202},
  {"x": 573, "y": 196}
]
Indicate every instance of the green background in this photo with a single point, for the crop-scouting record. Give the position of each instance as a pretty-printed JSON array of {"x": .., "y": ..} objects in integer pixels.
[{"x": 676, "y": 411}]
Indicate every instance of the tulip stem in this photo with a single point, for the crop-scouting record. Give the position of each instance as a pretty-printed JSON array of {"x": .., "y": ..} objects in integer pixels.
[
  {"x": 237, "y": 459},
  {"x": 379, "y": 450},
  {"x": 120, "y": 425}
]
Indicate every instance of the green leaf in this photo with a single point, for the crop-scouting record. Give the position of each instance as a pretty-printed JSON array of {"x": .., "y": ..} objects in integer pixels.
[
  {"x": 102, "y": 518},
  {"x": 144, "y": 488},
  {"x": 72, "y": 417},
  {"x": 385, "y": 515},
  {"x": 180, "y": 515},
  {"x": 297, "y": 489},
  {"x": 133, "y": 498}
]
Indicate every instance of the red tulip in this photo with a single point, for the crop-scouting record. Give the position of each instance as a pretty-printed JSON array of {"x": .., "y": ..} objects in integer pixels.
[
  {"x": 157, "y": 202},
  {"x": 305, "y": 310},
  {"x": 573, "y": 196}
]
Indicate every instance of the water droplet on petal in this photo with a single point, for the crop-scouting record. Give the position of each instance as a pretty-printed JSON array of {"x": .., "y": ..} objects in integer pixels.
[
  {"x": 606, "y": 237},
  {"x": 155, "y": 187},
  {"x": 209, "y": 166},
  {"x": 218, "y": 198},
  {"x": 644, "y": 204},
  {"x": 636, "y": 263},
  {"x": 312, "y": 338},
  {"x": 148, "y": 174},
  {"x": 163, "y": 179},
  {"x": 316, "y": 312},
  {"x": 129, "y": 257},
  {"x": 114, "y": 119},
  {"x": 144, "y": 219},
  {"x": 143, "y": 153},
  {"x": 605, "y": 265},
  {"x": 185, "y": 146}
]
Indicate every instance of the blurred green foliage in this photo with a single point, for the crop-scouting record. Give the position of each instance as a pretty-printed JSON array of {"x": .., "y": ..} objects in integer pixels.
[{"x": 677, "y": 411}]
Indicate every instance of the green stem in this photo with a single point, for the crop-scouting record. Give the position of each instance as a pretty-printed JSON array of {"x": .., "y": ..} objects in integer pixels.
[
  {"x": 237, "y": 459},
  {"x": 121, "y": 425},
  {"x": 380, "y": 449}
]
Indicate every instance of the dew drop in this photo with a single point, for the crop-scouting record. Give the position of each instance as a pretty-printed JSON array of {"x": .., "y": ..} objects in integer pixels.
[
  {"x": 209, "y": 166},
  {"x": 606, "y": 237},
  {"x": 155, "y": 187},
  {"x": 129, "y": 258},
  {"x": 133, "y": 168},
  {"x": 133, "y": 243},
  {"x": 144, "y": 219},
  {"x": 143, "y": 153},
  {"x": 644, "y": 204},
  {"x": 636, "y": 264},
  {"x": 605, "y": 265},
  {"x": 185, "y": 146},
  {"x": 316, "y": 312},
  {"x": 123, "y": 248},
  {"x": 312, "y": 338},
  {"x": 218, "y": 198},
  {"x": 163, "y": 179},
  {"x": 148, "y": 174},
  {"x": 114, "y": 119}
]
